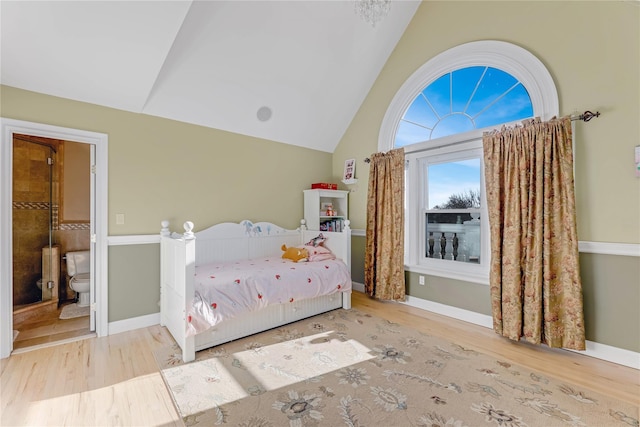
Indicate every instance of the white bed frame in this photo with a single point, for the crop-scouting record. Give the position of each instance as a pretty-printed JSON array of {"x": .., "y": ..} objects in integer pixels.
[{"x": 180, "y": 253}]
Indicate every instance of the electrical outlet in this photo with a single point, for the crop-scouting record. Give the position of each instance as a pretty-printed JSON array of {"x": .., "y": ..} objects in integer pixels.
[
  {"x": 119, "y": 219},
  {"x": 421, "y": 280}
]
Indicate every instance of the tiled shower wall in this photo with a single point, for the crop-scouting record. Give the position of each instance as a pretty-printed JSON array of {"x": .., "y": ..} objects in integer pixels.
[{"x": 30, "y": 217}]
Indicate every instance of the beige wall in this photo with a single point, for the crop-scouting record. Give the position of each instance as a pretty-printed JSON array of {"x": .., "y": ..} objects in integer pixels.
[
  {"x": 592, "y": 51},
  {"x": 163, "y": 169}
]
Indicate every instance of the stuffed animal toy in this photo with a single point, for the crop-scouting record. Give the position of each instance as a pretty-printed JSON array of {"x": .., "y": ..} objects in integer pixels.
[
  {"x": 316, "y": 241},
  {"x": 295, "y": 254}
]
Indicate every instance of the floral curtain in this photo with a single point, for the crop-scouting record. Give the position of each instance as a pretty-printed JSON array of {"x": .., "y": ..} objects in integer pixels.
[
  {"x": 384, "y": 251},
  {"x": 536, "y": 291}
]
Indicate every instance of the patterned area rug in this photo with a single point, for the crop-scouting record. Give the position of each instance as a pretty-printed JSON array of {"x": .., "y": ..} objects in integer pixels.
[
  {"x": 350, "y": 368},
  {"x": 72, "y": 310}
]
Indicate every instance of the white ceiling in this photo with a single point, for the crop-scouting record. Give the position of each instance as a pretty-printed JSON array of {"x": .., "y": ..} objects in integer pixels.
[{"x": 211, "y": 63}]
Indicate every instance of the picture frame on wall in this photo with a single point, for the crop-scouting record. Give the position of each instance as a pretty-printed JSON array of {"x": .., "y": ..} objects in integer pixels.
[{"x": 349, "y": 170}]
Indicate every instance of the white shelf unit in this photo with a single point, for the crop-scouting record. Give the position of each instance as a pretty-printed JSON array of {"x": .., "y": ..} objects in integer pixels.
[{"x": 315, "y": 215}]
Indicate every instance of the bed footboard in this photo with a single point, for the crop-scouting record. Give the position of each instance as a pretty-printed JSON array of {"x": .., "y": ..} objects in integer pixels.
[
  {"x": 346, "y": 300},
  {"x": 177, "y": 261}
]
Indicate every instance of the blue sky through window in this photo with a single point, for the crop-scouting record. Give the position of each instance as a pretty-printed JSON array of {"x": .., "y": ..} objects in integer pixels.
[
  {"x": 463, "y": 100},
  {"x": 447, "y": 179}
]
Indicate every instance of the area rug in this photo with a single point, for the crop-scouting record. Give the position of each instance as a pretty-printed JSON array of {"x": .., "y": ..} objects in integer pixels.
[
  {"x": 72, "y": 310},
  {"x": 349, "y": 368}
]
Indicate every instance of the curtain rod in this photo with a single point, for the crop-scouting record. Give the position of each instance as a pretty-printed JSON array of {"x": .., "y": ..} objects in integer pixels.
[{"x": 585, "y": 117}]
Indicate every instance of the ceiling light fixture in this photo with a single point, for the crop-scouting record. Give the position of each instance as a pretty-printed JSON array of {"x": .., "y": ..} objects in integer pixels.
[{"x": 372, "y": 11}]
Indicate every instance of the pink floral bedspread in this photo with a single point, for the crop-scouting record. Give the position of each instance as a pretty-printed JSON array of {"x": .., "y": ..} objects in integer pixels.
[{"x": 226, "y": 290}]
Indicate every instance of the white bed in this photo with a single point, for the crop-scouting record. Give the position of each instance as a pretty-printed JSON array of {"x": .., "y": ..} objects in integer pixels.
[{"x": 182, "y": 254}]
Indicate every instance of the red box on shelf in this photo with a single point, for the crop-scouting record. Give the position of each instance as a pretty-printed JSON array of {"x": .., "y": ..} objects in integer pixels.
[{"x": 324, "y": 186}]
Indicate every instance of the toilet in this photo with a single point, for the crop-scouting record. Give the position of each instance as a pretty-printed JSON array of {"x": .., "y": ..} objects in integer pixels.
[{"x": 79, "y": 269}]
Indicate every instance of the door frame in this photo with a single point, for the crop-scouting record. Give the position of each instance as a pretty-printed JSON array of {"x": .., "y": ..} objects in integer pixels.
[{"x": 99, "y": 222}]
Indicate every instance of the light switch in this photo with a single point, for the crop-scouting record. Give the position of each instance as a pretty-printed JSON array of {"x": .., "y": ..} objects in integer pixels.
[{"x": 119, "y": 219}]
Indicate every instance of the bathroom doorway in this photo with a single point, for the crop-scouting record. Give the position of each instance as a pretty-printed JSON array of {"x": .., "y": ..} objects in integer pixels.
[
  {"x": 71, "y": 226},
  {"x": 51, "y": 222}
]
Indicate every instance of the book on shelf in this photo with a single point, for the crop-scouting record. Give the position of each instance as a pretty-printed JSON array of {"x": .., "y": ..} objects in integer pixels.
[{"x": 332, "y": 225}]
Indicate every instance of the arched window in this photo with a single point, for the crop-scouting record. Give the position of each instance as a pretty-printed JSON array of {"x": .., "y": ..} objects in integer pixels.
[
  {"x": 463, "y": 100},
  {"x": 438, "y": 116}
]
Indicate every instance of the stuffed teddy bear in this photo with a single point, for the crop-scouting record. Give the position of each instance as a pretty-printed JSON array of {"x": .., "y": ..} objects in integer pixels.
[{"x": 295, "y": 254}]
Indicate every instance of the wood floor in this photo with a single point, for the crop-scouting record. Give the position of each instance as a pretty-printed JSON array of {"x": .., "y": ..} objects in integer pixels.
[
  {"x": 115, "y": 381},
  {"x": 41, "y": 326}
]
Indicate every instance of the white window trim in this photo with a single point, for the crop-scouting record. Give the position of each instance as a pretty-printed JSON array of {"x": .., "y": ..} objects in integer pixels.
[
  {"x": 415, "y": 259},
  {"x": 518, "y": 62}
]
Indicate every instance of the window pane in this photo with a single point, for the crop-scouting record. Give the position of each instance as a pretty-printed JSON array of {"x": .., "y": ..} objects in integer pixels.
[
  {"x": 420, "y": 113},
  {"x": 515, "y": 105},
  {"x": 464, "y": 84},
  {"x": 410, "y": 134},
  {"x": 453, "y": 237},
  {"x": 439, "y": 95},
  {"x": 454, "y": 185},
  {"x": 494, "y": 83},
  {"x": 452, "y": 124}
]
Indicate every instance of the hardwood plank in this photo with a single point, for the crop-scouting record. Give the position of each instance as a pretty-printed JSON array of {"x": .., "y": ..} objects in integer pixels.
[
  {"x": 101, "y": 381},
  {"x": 40, "y": 324}
]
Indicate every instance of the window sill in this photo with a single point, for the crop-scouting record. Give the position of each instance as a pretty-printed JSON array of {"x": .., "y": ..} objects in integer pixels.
[{"x": 480, "y": 277}]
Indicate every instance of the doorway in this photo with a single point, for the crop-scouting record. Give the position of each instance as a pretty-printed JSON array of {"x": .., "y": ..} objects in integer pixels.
[
  {"x": 96, "y": 236},
  {"x": 51, "y": 225}
]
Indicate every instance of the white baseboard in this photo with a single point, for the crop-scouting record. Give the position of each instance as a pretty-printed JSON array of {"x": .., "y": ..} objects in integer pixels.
[
  {"x": 617, "y": 355},
  {"x": 450, "y": 311},
  {"x": 134, "y": 323},
  {"x": 599, "y": 351}
]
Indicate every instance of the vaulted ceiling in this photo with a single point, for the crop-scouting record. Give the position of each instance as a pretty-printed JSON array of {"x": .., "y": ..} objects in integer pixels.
[{"x": 212, "y": 63}]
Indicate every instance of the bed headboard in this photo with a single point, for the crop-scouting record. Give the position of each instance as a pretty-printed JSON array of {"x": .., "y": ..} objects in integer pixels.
[{"x": 230, "y": 241}]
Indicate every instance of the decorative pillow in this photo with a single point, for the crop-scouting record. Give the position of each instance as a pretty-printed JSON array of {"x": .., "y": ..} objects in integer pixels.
[
  {"x": 319, "y": 253},
  {"x": 316, "y": 241}
]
